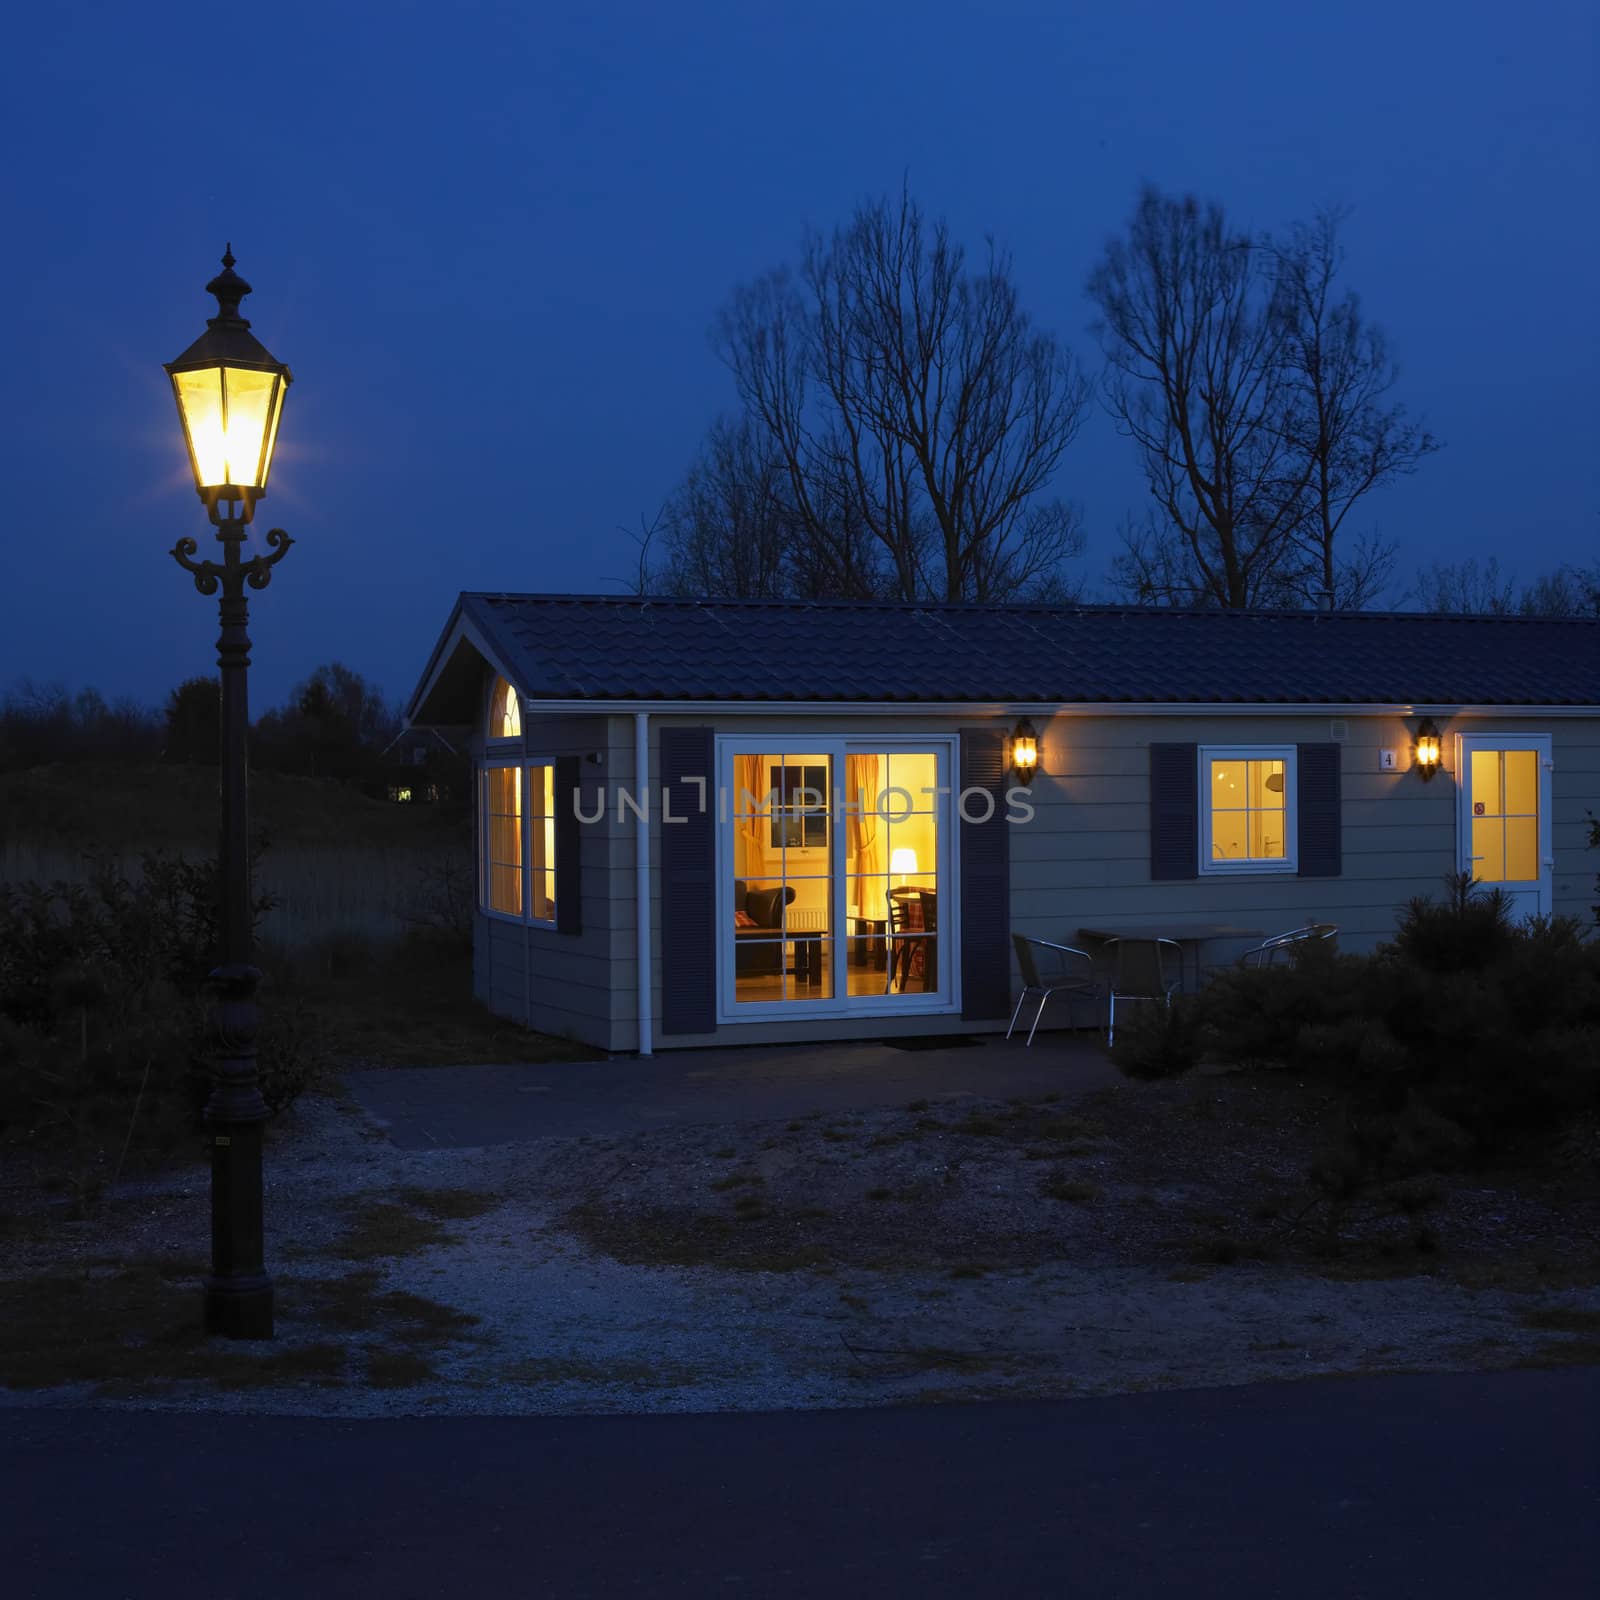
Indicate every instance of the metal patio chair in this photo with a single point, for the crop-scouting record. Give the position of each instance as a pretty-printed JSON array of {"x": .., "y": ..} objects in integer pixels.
[
  {"x": 1050, "y": 969},
  {"x": 1143, "y": 969},
  {"x": 1268, "y": 952}
]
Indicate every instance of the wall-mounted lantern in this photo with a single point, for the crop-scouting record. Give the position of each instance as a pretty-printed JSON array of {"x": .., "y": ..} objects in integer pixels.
[
  {"x": 1427, "y": 751},
  {"x": 1024, "y": 752}
]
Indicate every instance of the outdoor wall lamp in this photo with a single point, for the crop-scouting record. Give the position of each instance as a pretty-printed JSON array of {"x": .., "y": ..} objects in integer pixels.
[
  {"x": 1427, "y": 749},
  {"x": 230, "y": 399},
  {"x": 1024, "y": 752}
]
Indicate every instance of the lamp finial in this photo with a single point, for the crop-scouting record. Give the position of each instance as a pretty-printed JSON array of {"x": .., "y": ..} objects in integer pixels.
[{"x": 230, "y": 289}]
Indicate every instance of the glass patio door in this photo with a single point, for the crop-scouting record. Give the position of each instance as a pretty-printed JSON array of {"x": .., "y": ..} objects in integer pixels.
[
  {"x": 1504, "y": 829},
  {"x": 834, "y": 865}
]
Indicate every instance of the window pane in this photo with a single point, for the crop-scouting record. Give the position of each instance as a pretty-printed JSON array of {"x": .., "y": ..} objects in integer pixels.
[
  {"x": 505, "y": 714},
  {"x": 913, "y": 848},
  {"x": 1227, "y": 784},
  {"x": 1485, "y": 780},
  {"x": 867, "y": 965},
  {"x": 809, "y": 969},
  {"x": 916, "y": 772},
  {"x": 1522, "y": 846},
  {"x": 542, "y": 885},
  {"x": 505, "y": 890},
  {"x": 1267, "y": 835},
  {"x": 1230, "y": 835},
  {"x": 1522, "y": 783},
  {"x": 1488, "y": 845}
]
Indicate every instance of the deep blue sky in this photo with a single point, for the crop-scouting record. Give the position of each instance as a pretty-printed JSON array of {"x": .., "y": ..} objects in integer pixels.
[{"x": 490, "y": 238}]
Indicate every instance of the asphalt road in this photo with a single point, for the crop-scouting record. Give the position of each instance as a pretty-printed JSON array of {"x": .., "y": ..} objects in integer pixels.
[{"x": 1482, "y": 1485}]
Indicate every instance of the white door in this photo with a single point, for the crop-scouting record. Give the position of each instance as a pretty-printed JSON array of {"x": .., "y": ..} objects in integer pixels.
[{"x": 1504, "y": 829}]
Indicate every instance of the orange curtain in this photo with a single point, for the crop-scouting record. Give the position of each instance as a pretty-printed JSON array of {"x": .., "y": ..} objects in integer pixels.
[
  {"x": 862, "y": 787},
  {"x": 751, "y": 853}
]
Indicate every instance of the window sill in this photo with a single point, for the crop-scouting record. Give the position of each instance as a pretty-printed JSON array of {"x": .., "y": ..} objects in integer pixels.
[{"x": 516, "y": 921}]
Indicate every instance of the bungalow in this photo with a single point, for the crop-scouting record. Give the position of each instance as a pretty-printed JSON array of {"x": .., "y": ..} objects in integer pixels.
[{"x": 715, "y": 822}]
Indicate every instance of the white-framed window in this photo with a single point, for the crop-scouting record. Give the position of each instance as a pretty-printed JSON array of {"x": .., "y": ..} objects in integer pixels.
[
  {"x": 838, "y": 889},
  {"x": 1248, "y": 815},
  {"x": 517, "y": 826}
]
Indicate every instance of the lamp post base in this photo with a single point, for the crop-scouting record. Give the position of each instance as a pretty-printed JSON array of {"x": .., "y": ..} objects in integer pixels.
[{"x": 239, "y": 1308}]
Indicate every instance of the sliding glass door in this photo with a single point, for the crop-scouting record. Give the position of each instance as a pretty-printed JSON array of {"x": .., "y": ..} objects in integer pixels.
[{"x": 835, "y": 869}]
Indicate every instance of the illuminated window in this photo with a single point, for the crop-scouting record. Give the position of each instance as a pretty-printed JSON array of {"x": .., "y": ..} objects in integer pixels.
[
  {"x": 505, "y": 714},
  {"x": 519, "y": 841},
  {"x": 1247, "y": 808}
]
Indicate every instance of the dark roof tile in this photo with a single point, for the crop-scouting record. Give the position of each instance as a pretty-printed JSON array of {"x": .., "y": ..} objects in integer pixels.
[{"x": 578, "y": 647}]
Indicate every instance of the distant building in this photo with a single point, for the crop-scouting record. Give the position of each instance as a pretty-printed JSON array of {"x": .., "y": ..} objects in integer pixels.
[{"x": 425, "y": 765}]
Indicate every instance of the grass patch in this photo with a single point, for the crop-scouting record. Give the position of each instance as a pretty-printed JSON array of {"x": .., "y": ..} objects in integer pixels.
[
  {"x": 413, "y": 1221},
  {"x": 446, "y": 1205},
  {"x": 1072, "y": 1190},
  {"x": 398, "y": 1369},
  {"x": 381, "y": 1230},
  {"x": 128, "y": 1329},
  {"x": 1565, "y": 1353},
  {"x": 976, "y": 1126},
  {"x": 577, "y": 1369},
  {"x": 351, "y": 1304},
  {"x": 1563, "y": 1319},
  {"x": 411, "y": 1005},
  {"x": 759, "y": 1242}
]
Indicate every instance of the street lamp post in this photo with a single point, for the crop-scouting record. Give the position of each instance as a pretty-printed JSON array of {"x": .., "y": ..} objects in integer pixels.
[{"x": 230, "y": 398}]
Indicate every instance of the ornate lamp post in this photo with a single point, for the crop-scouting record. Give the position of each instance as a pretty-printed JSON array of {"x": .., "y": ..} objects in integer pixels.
[{"x": 230, "y": 396}]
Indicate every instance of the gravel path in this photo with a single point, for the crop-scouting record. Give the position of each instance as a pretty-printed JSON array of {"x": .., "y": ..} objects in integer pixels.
[{"x": 869, "y": 1259}]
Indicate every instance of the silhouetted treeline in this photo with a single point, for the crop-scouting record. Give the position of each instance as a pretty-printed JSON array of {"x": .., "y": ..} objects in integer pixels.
[
  {"x": 335, "y": 725},
  {"x": 42, "y": 723}
]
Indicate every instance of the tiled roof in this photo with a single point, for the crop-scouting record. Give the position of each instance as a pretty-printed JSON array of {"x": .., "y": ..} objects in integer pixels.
[{"x": 572, "y": 647}]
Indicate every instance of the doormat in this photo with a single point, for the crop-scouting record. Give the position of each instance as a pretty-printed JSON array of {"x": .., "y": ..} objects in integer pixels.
[{"x": 934, "y": 1041}]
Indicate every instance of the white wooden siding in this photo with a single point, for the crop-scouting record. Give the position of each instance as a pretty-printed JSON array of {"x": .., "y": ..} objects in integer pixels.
[{"x": 1083, "y": 860}]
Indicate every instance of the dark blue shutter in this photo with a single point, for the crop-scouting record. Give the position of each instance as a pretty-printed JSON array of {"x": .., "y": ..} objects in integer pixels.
[
  {"x": 985, "y": 881},
  {"x": 1174, "y": 811},
  {"x": 569, "y": 847},
  {"x": 1321, "y": 845},
  {"x": 688, "y": 878}
]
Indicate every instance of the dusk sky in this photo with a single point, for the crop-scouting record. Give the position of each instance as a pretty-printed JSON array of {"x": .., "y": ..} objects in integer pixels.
[{"x": 490, "y": 240}]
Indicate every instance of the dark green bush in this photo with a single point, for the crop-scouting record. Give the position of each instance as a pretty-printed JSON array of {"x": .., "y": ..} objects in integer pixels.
[
  {"x": 105, "y": 1028},
  {"x": 1157, "y": 1041},
  {"x": 1467, "y": 1038}
]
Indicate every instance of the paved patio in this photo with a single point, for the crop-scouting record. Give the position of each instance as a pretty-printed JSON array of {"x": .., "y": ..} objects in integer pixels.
[{"x": 426, "y": 1108}]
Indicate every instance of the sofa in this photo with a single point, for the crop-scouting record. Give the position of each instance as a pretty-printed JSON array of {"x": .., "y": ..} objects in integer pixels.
[{"x": 756, "y": 950}]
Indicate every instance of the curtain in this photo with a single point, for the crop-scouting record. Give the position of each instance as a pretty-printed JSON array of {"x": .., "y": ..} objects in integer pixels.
[
  {"x": 750, "y": 848},
  {"x": 861, "y": 790}
]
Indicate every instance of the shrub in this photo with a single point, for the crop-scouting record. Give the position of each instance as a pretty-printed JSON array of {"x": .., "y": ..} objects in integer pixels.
[
  {"x": 1158, "y": 1041},
  {"x": 1467, "y": 1038},
  {"x": 105, "y": 1034}
]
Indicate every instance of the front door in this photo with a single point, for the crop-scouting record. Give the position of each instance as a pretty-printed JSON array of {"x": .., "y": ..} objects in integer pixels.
[{"x": 1504, "y": 830}]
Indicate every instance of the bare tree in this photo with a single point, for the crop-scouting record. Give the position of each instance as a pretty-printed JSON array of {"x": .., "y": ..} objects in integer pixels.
[
  {"x": 731, "y": 528},
  {"x": 1352, "y": 438},
  {"x": 1465, "y": 588},
  {"x": 1194, "y": 330},
  {"x": 916, "y": 414}
]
